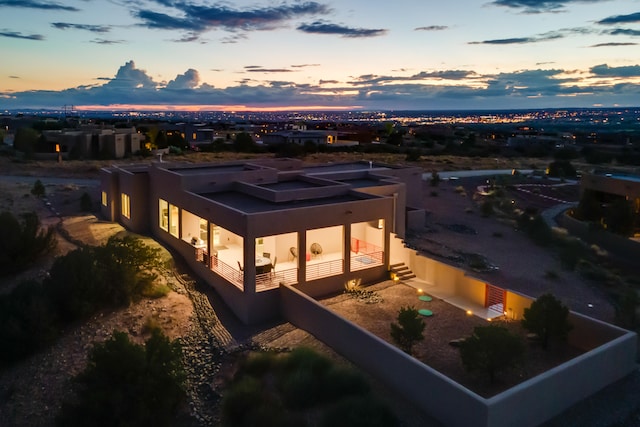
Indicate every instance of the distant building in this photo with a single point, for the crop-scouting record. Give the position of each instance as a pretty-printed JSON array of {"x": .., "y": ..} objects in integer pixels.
[
  {"x": 301, "y": 137},
  {"x": 92, "y": 142}
]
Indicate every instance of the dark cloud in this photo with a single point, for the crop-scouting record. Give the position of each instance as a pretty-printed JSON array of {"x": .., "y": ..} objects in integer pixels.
[
  {"x": 540, "y": 6},
  {"x": 269, "y": 70},
  {"x": 553, "y": 35},
  {"x": 199, "y": 18},
  {"x": 621, "y": 19},
  {"x": 328, "y": 82},
  {"x": 371, "y": 79},
  {"x": 432, "y": 28},
  {"x": 18, "y": 35},
  {"x": 624, "y": 32},
  {"x": 604, "y": 70},
  {"x": 30, "y": 4},
  {"x": 85, "y": 27},
  {"x": 304, "y": 65},
  {"x": 107, "y": 42},
  {"x": 14, "y": 77},
  {"x": 612, "y": 44},
  {"x": 321, "y": 27}
]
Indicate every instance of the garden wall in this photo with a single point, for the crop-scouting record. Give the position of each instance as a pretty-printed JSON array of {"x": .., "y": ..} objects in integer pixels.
[{"x": 527, "y": 404}]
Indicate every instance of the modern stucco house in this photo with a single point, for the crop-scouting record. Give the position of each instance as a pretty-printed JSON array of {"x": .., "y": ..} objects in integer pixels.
[{"x": 245, "y": 227}]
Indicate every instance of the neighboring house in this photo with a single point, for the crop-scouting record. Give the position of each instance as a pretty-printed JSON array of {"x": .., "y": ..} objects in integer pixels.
[
  {"x": 612, "y": 184},
  {"x": 91, "y": 142},
  {"x": 246, "y": 227},
  {"x": 300, "y": 137}
]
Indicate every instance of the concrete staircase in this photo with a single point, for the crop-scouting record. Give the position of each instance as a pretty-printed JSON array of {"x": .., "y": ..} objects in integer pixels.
[{"x": 402, "y": 271}]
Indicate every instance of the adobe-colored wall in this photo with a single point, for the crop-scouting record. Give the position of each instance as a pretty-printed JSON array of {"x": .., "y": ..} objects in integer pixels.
[{"x": 527, "y": 404}]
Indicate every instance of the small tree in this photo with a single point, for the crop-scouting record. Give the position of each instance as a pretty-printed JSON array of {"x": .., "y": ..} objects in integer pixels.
[
  {"x": 548, "y": 318},
  {"x": 435, "y": 179},
  {"x": 408, "y": 330},
  {"x": 491, "y": 349},
  {"x": 38, "y": 189}
]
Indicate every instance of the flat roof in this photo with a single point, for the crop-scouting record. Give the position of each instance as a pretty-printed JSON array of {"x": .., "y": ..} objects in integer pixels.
[
  {"x": 294, "y": 184},
  {"x": 209, "y": 169},
  {"x": 249, "y": 204},
  {"x": 343, "y": 167},
  {"x": 364, "y": 182}
]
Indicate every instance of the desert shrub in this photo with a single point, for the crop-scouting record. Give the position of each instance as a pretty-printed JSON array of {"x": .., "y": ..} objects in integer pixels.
[
  {"x": 626, "y": 306},
  {"x": 486, "y": 208},
  {"x": 91, "y": 278},
  {"x": 491, "y": 349},
  {"x": 28, "y": 322},
  {"x": 38, "y": 189},
  {"x": 408, "y": 329},
  {"x": 271, "y": 389},
  {"x": 23, "y": 241},
  {"x": 548, "y": 318},
  {"x": 86, "y": 204},
  {"x": 358, "y": 411},
  {"x": 126, "y": 384},
  {"x": 435, "y": 179}
]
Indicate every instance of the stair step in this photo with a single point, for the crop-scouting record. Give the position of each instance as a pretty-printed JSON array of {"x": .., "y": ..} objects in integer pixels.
[
  {"x": 407, "y": 277},
  {"x": 399, "y": 264},
  {"x": 400, "y": 269}
]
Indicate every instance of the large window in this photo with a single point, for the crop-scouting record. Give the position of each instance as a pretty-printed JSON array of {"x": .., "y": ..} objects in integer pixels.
[
  {"x": 174, "y": 220},
  {"x": 163, "y": 215},
  {"x": 367, "y": 243},
  {"x": 104, "y": 198},
  {"x": 126, "y": 206},
  {"x": 324, "y": 252}
]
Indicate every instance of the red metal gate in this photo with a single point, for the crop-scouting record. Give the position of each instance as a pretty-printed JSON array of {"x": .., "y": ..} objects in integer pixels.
[{"x": 495, "y": 298}]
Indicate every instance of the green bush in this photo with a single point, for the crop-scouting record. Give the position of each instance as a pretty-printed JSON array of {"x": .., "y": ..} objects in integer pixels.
[
  {"x": 125, "y": 384},
  {"x": 28, "y": 322},
  {"x": 408, "y": 330},
  {"x": 271, "y": 389},
  {"x": 548, "y": 318},
  {"x": 359, "y": 411},
  {"x": 23, "y": 241},
  {"x": 38, "y": 189},
  {"x": 491, "y": 349}
]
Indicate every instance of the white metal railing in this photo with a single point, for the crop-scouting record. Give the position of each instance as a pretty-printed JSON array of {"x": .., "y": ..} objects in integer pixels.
[
  {"x": 324, "y": 269},
  {"x": 235, "y": 277},
  {"x": 272, "y": 280}
]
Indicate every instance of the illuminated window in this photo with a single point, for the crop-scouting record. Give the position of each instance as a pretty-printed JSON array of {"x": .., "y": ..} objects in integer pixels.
[
  {"x": 126, "y": 206},
  {"x": 174, "y": 220},
  {"x": 104, "y": 198},
  {"x": 163, "y": 212}
]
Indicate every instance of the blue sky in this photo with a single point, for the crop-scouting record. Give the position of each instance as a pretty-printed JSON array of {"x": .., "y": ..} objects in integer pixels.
[{"x": 350, "y": 54}]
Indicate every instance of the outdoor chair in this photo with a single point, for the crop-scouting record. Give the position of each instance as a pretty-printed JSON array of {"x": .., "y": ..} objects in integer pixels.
[
  {"x": 293, "y": 251},
  {"x": 273, "y": 266},
  {"x": 316, "y": 249}
]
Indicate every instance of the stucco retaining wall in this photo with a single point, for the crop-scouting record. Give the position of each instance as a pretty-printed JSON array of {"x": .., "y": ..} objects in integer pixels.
[{"x": 527, "y": 404}]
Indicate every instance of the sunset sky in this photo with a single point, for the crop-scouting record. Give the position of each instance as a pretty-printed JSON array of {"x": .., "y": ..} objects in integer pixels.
[{"x": 325, "y": 54}]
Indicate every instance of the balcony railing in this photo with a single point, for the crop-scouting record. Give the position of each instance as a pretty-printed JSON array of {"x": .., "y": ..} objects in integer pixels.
[
  {"x": 234, "y": 276},
  {"x": 272, "y": 280},
  {"x": 324, "y": 269}
]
